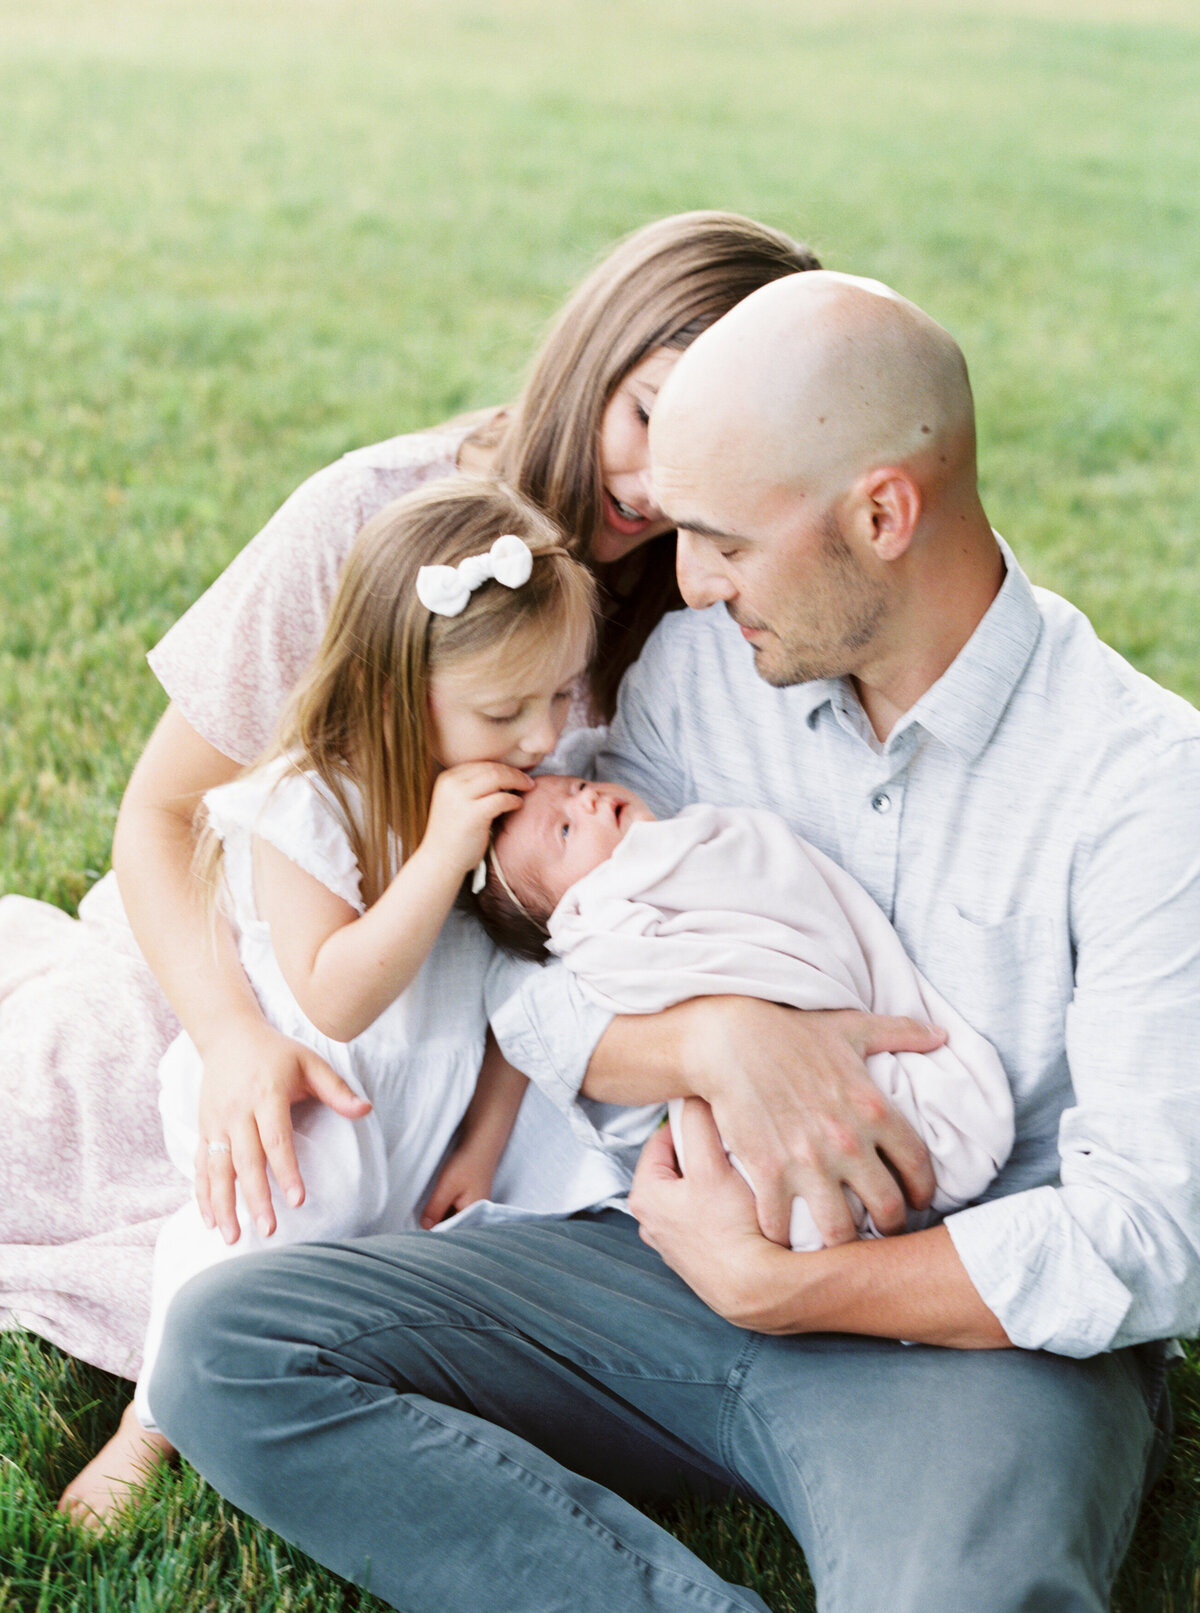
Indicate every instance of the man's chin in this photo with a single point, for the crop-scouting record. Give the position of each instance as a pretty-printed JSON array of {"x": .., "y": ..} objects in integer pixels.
[{"x": 779, "y": 676}]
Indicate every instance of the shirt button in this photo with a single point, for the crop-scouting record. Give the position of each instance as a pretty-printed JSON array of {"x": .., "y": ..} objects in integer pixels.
[{"x": 881, "y": 802}]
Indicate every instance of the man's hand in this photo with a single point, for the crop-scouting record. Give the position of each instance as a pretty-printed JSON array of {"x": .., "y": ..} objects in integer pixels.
[
  {"x": 704, "y": 1227},
  {"x": 252, "y": 1077},
  {"x": 704, "y": 1224},
  {"x": 791, "y": 1096}
]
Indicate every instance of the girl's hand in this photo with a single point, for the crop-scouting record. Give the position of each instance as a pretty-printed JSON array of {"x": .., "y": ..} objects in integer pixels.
[
  {"x": 465, "y": 1178},
  {"x": 466, "y": 801},
  {"x": 252, "y": 1076}
]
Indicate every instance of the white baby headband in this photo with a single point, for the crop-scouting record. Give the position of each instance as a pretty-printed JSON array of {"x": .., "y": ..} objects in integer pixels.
[
  {"x": 446, "y": 590},
  {"x": 479, "y": 880}
]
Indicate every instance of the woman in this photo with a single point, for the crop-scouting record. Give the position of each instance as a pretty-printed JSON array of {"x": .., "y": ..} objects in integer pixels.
[{"x": 83, "y": 1021}]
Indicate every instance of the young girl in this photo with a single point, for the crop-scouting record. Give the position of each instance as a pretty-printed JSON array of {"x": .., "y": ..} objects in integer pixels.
[{"x": 459, "y": 632}]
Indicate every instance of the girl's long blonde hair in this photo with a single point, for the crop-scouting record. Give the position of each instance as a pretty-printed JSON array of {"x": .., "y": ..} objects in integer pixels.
[{"x": 359, "y": 719}]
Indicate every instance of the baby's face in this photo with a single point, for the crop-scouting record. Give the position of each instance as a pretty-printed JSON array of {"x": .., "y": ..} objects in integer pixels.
[{"x": 563, "y": 829}]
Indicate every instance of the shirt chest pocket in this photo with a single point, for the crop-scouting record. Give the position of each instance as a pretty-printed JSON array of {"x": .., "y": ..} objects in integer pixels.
[{"x": 1009, "y": 981}]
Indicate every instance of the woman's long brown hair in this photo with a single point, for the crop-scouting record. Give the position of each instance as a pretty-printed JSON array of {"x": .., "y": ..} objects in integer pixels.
[{"x": 660, "y": 287}]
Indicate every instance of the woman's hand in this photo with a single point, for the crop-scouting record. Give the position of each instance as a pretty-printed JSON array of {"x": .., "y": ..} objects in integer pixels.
[
  {"x": 252, "y": 1076},
  {"x": 467, "y": 800},
  {"x": 704, "y": 1224}
]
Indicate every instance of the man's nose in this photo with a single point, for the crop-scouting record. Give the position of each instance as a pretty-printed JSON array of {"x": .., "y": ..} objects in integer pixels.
[{"x": 701, "y": 582}]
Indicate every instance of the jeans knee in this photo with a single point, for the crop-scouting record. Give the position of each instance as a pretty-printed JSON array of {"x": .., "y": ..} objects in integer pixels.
[{"x": 210, "y": 1335}]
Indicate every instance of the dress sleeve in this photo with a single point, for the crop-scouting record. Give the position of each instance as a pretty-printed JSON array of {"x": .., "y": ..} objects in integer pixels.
[
  {"x": 231, "y": 661},
  {"x": 297, "y": 815}
]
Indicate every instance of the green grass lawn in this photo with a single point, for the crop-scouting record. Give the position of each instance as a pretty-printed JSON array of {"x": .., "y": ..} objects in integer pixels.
[{"x": 239, "y": 239}]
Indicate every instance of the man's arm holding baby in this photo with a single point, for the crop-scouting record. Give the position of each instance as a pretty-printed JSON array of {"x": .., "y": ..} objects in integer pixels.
[
  {"x": 1106, "y": 1256},
  {"x": 706, "y": 1229},
  {"x": 791, "y": 1094}
]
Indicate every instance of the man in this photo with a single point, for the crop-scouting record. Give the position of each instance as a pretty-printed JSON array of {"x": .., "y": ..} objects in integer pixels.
[{"x": 458, "y": 1420}]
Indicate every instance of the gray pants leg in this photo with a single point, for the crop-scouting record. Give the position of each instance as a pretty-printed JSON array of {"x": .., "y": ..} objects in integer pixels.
[{"x": 463, "y": 1420}]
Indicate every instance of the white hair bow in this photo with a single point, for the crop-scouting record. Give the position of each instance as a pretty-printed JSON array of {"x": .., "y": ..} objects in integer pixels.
[{"x": 445, "y": 590}]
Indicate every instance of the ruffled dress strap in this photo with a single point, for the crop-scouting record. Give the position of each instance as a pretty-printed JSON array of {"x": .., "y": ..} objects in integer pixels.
[{"x": 297, "y": 814}]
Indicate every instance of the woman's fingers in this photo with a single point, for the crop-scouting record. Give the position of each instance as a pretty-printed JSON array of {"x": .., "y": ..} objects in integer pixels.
[
  {"x": 328, "y": 1088},
  {"x": 273, "y": 1120},
  {"x": 250, "y": 1168},
  {"x": 202, "y": 1190},
  {"x": 215, "y": 1164}
]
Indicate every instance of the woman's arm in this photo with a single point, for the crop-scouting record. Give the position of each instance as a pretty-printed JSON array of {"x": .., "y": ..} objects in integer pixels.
[{"x": 252, "y": 1074}]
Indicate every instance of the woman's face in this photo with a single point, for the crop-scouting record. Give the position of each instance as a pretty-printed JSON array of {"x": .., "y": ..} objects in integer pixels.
[{"x": 629, "y": 513}]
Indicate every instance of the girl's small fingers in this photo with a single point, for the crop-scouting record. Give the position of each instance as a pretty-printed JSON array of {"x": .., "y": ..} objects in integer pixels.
[{"x": 510, "y": 778}]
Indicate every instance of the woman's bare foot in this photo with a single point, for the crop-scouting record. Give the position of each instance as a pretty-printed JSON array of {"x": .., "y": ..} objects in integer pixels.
[{"x": 115, "y": 1474}]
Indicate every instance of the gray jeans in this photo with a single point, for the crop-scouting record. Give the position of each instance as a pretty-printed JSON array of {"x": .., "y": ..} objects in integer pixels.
[{"x": 466, "y": 1420}]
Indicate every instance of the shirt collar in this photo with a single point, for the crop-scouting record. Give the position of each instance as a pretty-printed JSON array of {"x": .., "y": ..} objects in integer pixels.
[
  {"x": 966, "y": 703},
  {"x": 963, "y": 707}
]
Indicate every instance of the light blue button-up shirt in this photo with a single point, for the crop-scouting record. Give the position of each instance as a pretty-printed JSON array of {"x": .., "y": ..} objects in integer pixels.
[{"x": 1032, "y": 829}]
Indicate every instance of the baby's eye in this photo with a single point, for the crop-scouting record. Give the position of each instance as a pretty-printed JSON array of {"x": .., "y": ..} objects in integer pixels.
[{"x": 564, "y": 829}]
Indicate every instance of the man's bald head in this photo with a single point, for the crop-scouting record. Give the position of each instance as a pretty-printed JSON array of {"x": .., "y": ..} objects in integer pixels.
[{"x": 813, "y": 380}]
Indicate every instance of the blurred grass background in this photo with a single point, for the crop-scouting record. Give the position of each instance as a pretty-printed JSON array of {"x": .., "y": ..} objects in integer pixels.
[{"x": 239, "y": 239}]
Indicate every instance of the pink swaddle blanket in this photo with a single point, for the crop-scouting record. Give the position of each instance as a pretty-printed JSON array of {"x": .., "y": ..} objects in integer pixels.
[{"x": 728, "y": 900}]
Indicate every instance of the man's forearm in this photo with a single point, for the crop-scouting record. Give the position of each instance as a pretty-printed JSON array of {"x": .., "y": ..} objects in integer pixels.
[
  {"x": 643, "y": 1058},
  {"x": 912, "y": 1287}
]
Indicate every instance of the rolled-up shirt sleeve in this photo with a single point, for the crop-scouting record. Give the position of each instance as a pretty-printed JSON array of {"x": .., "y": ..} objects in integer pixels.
[
  {"x": 1111, "y": 1255},
  {"x": 548, "y": 1029}
]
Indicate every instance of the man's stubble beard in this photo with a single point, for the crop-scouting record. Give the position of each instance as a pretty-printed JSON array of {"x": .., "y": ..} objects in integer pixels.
[{"x": 856, "y": 605}]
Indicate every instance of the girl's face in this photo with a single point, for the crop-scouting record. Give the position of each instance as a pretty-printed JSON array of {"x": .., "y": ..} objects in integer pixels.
[
  {"x": 630, "y": 514},
  {"x": 497, "y": 707}
]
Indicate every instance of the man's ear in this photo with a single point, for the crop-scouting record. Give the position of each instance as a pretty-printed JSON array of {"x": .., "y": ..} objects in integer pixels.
[{"x": 889, "y": 505}]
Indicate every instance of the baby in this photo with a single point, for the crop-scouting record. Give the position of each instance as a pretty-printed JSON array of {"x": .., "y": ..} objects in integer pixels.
[{"x": 647, "y": 913}]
